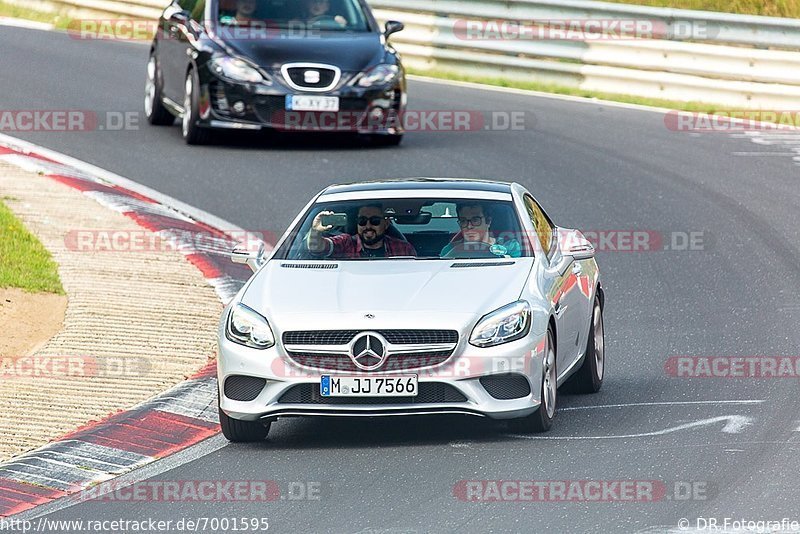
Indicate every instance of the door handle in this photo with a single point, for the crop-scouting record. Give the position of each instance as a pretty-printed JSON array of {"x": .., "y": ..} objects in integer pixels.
[{"x": 577, "y": 269}]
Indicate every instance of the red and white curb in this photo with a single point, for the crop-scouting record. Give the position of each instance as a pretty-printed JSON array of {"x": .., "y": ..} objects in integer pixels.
[{"x": 167, "y": 423}]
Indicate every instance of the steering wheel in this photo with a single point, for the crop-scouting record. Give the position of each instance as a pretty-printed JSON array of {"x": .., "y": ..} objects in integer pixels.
[{"x": 325, "y": 20}]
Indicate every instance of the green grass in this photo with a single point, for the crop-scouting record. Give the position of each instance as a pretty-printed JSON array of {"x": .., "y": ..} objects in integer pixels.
[
  {"x": 562, "y": 90},
  {"x": 772, "y": 8},
  {"x": 59, "y": 20},
  {"x": 24, "y": 262}
]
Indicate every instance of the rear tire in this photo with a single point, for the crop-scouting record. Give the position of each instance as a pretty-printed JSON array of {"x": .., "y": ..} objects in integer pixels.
[
  {"x": 237, "y": 430},
  {"x": 589, "y": 378},
  {"x": 154, "y": 109},
  {"x": 542, "y": 419},
  {"x": 192, "y": 133}
]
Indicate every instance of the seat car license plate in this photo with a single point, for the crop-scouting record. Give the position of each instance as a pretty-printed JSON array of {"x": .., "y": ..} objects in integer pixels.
[
  {"x": 312, "y": 103},
  {"x": 368, "y": 386}
]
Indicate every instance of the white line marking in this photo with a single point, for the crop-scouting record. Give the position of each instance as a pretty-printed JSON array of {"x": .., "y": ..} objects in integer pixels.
[
  {"x": 734, "y": 424},
  {"x": 762, "y": 154},
  {"x": 529, "y": 92},
  {"x": 146, "y": 472},
  {"x": 115, "y": 179},
  {"x": 676, "y": 403},
  {"x": 24, "y": 23}
]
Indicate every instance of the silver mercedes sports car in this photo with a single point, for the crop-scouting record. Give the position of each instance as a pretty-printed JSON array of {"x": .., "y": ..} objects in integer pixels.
[{"x": 411, "y": 297}]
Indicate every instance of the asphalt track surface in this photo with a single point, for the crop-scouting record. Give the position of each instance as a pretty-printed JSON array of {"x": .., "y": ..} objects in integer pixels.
[{"x": 593, "y": 166}]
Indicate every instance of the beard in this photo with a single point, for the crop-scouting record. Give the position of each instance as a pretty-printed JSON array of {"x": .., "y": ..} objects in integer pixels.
[{"x": 371, "y": 237}]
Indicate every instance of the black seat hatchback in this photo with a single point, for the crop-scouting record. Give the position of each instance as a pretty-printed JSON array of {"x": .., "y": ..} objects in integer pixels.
[{"x": 288, "y": 65}]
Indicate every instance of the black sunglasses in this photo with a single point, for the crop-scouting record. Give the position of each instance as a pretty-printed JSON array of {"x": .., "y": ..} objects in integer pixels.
[{"x": 374, "y": 220}]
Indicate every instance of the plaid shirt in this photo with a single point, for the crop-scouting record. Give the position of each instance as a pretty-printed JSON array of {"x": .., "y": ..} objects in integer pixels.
[{"x": 349, "y": 246}]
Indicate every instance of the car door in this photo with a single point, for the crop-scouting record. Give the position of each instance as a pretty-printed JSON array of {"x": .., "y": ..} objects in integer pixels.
[
  {"x": 564, "y": 289},
  {"x": 180, "y": 28}
]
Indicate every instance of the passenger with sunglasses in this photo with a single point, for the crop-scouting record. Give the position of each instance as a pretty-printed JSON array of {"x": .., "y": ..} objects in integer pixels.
[
  {"x": 370, "y": 240},
  {"x": 475, "y": 222}
]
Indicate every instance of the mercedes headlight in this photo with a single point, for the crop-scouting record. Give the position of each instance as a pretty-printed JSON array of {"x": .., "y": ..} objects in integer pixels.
[
  {"x": 379, "y": 75},
  {"x": 249, "y": 328},
  {"x": 509, "y": 323},
  {"x": 237, "y": 70}
]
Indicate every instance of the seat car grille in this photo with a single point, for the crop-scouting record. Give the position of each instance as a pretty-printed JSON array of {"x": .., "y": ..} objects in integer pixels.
[
  {"x": 311, "y": 77},
  {"x": 429, "y": 393},
  {"x": 504, "y": 387},
  {"x": 343, "y": 337}
]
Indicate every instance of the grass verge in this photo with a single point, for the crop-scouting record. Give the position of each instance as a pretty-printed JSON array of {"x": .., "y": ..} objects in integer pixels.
[
  {"x": 770, "y": 8},
  {"x": 24, "y": 262},
  {"x": 60, "y": 20}
]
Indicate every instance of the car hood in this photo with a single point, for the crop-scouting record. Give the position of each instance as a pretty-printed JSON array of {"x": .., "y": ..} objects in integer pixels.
[
  {"x": 403, "y": 290},
  {"x": 351, "y": 52}
]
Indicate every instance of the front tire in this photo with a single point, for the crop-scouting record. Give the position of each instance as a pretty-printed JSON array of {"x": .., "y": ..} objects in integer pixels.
[
  {"x": 542, "y": 419},
  {"x": 154, "y": 109},
  {"x": 589, "y": 378},
  {"x": 192, "y": 133},
  {"x": 240, "y": 431}
]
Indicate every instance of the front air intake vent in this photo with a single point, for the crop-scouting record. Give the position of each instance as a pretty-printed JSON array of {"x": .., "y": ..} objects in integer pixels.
[
  {"x": 243, "y": 388},
  {"x": 310, "y": 265},
  {"x": 510, "y": 386}
]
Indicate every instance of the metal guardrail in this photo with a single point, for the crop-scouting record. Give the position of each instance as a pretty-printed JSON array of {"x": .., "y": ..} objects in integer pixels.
[{"x": 734, "y": 60}]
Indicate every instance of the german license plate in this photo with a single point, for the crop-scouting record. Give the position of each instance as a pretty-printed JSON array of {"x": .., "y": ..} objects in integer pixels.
[
  {"x": 368, "y": 386},
  {"x": 312, "y": 103}
]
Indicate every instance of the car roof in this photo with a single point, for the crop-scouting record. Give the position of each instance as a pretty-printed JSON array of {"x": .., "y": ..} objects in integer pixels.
[{"x": 454, "y": 184}]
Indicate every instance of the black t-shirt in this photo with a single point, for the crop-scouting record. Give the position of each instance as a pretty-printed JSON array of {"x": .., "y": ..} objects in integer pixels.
[{"x": 373, "y": 252}]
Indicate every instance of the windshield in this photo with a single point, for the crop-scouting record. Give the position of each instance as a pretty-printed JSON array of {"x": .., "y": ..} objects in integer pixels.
[
  {"x": 408, "y": 228},
  {"x": 329, "y": 15}
]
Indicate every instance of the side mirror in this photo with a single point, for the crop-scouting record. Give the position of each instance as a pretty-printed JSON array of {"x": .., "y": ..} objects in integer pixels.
[
  {"x": 579, "y": 247},
  {"x": 571, "y": 246},
  {"x": 392, "y": 26},
  {"x": 574, "y": 244},
  {"x": 253, "y": 259}
]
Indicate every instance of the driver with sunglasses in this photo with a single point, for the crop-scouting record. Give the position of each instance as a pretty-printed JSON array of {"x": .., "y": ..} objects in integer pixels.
[{"x": 370, "y": 240}]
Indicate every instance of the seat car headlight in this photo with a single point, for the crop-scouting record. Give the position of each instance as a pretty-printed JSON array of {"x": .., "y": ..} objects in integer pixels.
[
  {"x": 379, "y": 75},
  {"x": 505, "y": 324},
  {"x": 237, "y": 70},
  {"x": 249, "y": 328}
]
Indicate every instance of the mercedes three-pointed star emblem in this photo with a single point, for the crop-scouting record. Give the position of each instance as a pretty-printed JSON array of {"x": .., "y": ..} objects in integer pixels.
[{"x": 368, "y": 351}]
